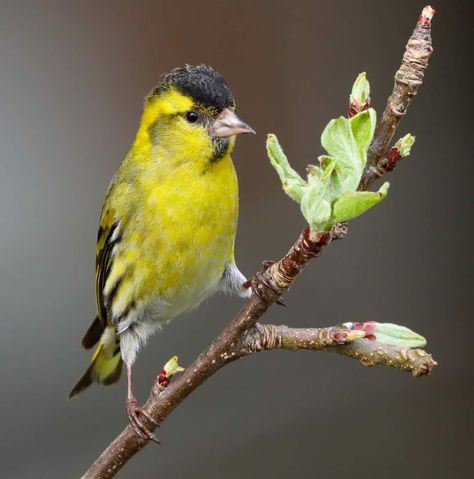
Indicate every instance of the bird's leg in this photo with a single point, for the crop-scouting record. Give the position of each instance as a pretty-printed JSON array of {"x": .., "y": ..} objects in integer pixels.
[
  {"x": 260, "y": 278},
  {"x": 134, "y": 410}
]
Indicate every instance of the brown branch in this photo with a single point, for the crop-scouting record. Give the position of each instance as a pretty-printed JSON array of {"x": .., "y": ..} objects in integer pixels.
[
  {"x": 335, "y": 339},
  {"x": 219, "y": 353},
  {"x": 408, "y": 79},
  {"x": 275, "y": 280}
]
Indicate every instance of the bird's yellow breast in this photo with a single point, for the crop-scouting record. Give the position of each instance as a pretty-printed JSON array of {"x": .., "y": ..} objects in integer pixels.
[{"x": 178, "y": 229}]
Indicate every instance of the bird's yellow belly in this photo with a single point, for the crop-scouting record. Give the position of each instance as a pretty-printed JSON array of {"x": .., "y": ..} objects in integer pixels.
[{"x": 180, "y": 257}]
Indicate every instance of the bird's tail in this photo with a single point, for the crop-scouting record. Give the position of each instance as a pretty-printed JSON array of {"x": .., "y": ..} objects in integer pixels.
[{"x": 106, "y": 363}]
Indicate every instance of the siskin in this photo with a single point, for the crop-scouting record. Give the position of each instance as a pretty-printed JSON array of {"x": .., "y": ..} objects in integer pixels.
[{"x": 168, "y": 224}]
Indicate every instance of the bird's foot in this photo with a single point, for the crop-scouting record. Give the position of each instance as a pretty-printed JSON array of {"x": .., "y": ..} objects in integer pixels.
[
  {"x": 134, "y": 411},
  {"x": 259, "y": 278}
]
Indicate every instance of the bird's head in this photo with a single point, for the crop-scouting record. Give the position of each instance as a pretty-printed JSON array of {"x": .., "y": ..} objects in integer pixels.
[{"x": 191, "y": 115}]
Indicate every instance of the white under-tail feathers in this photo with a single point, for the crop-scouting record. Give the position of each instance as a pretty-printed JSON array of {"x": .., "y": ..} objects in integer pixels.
[{"x": 232, "y": 282}]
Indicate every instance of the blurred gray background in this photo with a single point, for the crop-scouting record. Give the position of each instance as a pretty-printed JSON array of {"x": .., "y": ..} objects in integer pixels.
[{"x": 73, "y": 77}]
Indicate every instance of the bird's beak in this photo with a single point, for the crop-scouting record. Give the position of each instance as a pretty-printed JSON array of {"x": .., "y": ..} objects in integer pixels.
[{"x": 228, "y": 124}]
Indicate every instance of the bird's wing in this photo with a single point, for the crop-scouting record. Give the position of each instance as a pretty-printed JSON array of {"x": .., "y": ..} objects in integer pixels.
[{"x": 107, "y": 238}]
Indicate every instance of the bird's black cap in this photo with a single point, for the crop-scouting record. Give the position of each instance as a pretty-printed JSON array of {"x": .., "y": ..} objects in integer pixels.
[{"x": 201, "y": 83}]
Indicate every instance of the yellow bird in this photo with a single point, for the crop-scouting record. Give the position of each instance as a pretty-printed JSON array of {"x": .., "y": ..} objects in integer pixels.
[{"x": 168, "y": 224}]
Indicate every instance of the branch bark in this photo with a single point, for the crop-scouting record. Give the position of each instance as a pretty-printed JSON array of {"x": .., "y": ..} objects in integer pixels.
[
  {"x": 335, "y": 339},
  {"x": 242, "y": 336}
]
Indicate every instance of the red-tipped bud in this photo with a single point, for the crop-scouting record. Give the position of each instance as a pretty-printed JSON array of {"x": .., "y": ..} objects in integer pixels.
[
  {"x": 169, "y": 369},
  {"x": 401, "y": 150},
  {"x": 359, "y": 99}
]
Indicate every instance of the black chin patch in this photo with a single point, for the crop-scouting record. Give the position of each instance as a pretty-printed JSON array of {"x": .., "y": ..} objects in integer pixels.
[
  {"x": 220, "y": 147},
  {"x": 203, "y": 84}
]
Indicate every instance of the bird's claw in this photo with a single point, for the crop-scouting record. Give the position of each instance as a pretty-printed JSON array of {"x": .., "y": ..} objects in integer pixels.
[
  {"x": 134, "y": 410},
  {"x": 260, "y": 278}
]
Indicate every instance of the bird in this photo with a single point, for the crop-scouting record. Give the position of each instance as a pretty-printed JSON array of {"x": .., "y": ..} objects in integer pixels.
[{"x": 168, "y": 224}]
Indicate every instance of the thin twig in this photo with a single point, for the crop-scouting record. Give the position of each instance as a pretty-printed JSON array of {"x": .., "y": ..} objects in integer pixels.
[
  {"x": 264, "y": 337},
  {"x": 275, "y": 280},
  {"x": 408, "y": 79}
]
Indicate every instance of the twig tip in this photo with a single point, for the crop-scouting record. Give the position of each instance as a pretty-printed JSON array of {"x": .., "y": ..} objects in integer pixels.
[{"x": 427, "y": 15}]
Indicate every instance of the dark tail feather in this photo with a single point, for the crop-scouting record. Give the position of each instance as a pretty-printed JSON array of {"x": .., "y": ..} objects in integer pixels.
[
  {"x": 93, "y": 334},
  {"x": 84, "y": 382},
  {"x": 104, "y": 369}
]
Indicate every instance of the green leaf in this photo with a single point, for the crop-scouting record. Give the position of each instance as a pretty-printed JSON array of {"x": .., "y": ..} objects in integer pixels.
[
  {"x": 355, "y": 335},
  {"x": 172, "y": 367},
  {"x": 361, "y": 89},
  {"x": 398, "y": 336},
  {"x": 328, "y": 170},
  {"x": 351, "y": 205},
  {"x": 292, "y": 182},
  {"x": 315, "y": 207},
  {"x": 339, "y": 142},
  {"x": 363, "y": 127},
  {"x": 404, "y": 144}
]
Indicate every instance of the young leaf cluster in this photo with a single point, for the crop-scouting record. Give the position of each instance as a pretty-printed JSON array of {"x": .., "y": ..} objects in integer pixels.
[{"x": 329, "y": 194}]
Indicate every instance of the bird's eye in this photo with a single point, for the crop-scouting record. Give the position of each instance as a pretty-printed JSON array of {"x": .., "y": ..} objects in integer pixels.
[{"x": 192, "y": 116}]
